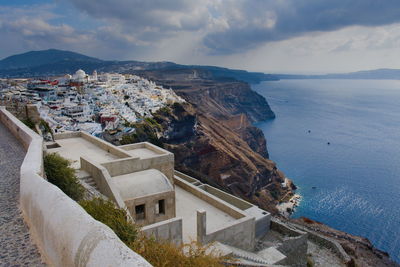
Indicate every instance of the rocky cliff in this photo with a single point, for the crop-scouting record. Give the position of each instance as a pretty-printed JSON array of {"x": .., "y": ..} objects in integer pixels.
[{"x": 213, "y": 139}]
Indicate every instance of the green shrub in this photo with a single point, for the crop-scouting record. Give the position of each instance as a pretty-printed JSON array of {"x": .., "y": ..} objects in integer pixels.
[
  {"x": 28, "y": 122},
  {"x": 59, "y": 173},
  {"x": 106, "y": 212},
  {"x": 310, "y": 262},
  {"x": 45, "y": 126},
  {"x": 144, "y": 131}
]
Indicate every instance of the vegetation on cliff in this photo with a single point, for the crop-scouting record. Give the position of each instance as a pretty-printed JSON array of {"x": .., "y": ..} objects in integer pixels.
[{"x": 226, "y": 152}]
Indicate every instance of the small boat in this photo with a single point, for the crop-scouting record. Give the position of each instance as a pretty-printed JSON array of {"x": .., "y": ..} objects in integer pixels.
[{"x": 314, "y": 187}]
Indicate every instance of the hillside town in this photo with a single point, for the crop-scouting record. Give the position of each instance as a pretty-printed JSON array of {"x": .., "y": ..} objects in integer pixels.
[{"x": 91, "y": 103}]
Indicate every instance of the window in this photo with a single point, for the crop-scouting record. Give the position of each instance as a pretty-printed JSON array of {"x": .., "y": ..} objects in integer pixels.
[
  {"x": 160, "y": 207},
  {"x": 140, "y": 212}
]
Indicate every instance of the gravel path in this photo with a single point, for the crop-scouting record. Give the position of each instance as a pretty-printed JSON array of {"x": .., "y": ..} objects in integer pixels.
[{"x": 16, "y": 249}]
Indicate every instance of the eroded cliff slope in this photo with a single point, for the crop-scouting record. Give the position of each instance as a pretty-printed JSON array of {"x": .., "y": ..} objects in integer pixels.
[{"x": 213, "y": 139}]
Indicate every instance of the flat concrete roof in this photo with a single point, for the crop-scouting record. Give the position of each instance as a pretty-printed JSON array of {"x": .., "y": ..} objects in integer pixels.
[
  {"x": 187, "y": 205},
  {"x": 142, "y": 153},
  {"x": 142, "y": 183},
  {"x": 76, "y": 147}
]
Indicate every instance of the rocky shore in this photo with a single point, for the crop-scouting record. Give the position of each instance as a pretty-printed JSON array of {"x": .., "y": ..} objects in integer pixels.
[{"x": 286, "y": 208}]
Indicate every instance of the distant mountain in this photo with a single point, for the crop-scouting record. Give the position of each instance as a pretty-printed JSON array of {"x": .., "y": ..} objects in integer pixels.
[
  {"x": 378, "y": 74},
  {"x": 39, "y": 58},
  {"x": 54, "y": 62}
]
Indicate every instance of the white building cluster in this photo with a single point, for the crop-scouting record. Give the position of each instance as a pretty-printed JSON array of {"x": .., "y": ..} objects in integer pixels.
[{"x": 91, "y": 103}]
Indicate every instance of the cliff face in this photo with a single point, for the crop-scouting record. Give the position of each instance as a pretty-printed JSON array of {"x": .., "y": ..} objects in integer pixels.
[{"x": 213, "y": 139}]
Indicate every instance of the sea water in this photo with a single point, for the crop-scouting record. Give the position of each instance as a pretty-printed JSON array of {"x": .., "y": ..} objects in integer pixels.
[{"x": 339, "y": 141}]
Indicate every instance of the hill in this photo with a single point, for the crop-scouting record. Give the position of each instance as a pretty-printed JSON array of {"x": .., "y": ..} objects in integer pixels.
[
  {"x": 44, "y": 57},
  {"x": 54, "y": 62},
  {"x": 378, "y": 74}
]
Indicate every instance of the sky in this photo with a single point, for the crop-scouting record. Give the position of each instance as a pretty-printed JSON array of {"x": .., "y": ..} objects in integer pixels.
[{"x": 273, "y": 36}]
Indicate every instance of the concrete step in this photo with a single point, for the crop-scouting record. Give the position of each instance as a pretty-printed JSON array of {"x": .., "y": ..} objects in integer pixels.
[
  {"x": 87, "y": 179},
  {"x": 81, "y": 174},
  {"x": 272, "y": 255},
  {"x": 268, "y": 256}
]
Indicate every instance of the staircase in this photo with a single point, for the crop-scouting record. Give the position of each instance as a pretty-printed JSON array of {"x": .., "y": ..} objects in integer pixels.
[
  {"x": 266, "y": 257},
  {"x": 89, "y": 183}
]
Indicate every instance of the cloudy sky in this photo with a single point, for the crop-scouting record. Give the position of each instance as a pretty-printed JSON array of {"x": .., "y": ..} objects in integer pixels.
[{"x": 292, "y": 36}]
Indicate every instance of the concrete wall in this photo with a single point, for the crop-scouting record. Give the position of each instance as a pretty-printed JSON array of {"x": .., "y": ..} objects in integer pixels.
[
  {"x": 103, "y": 181},
  {"x": 64, "y": 233},
  {"x": 185, "y": 177},
  {"x": 262, "y": 218},
  {"x": 294, "y": 244},
  {"x": 114, "y": 150},
  {"x": 66, "y": 135},
  {"x": 150, "y": 202},
  {"x": 170, "y": 230},
  {"x": 149, "y": 146},
  {"x": 163, "y": 163},
  {"x": 240, "y": 233},
  {"x": 216, "y": 202},
  {"x": 235, "y": 201}
]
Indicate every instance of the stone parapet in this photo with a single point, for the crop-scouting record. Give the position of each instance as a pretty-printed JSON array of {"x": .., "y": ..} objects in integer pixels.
[{"x": 65, "y": 234}]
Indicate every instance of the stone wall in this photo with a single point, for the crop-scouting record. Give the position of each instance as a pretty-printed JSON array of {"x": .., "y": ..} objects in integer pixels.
[
  {"x": 63, "y": 231},
  {"x": 170, "y": 230},
  {"x": 294, "y": 245},
  {"x": 327, "y": 242}
]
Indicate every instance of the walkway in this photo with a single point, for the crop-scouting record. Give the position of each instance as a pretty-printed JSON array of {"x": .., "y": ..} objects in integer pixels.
[{"x": 16, "y": 249}]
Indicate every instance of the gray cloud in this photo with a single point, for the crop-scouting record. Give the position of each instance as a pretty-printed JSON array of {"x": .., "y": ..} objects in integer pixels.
[
  {"x": 231, "y": 26},
  {"x": 137, "y": 28},
  {"x": 291, "y": 18},
  {"x": 149, "y": 15}
]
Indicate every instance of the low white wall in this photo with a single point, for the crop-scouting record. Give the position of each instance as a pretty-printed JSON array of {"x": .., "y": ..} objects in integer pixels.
[{"x": 65, "y": 234}]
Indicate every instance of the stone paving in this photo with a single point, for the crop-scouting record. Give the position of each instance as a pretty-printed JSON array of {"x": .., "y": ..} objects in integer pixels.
[{"x": 16, "y": 248}]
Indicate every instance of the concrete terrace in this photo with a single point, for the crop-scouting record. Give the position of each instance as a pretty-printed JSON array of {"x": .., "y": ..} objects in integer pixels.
[
  {"x": 187, "y": 205},
  {"x": 142, "y": 150},
  {"x": 16, "y": 247},
  {"x": 77, "y": 147}
]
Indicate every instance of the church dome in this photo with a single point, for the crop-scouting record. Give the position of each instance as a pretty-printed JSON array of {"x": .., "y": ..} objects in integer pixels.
[{"x": 80, "y": 75}]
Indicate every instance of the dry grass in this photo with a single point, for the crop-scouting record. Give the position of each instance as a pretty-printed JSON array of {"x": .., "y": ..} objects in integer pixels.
[
  {"x": 165, "y": 254},
  {"x": 157, "y": 253}
]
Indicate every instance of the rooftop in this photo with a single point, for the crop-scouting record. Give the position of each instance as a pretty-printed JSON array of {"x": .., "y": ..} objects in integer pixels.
[
  {"x": 76, "y": 147},
  {"x": 142, "y": 153},
  {"x": 187, "y": 205},
  {"x": 144, "y": 150},
  {"x": 143, "y": 183}
]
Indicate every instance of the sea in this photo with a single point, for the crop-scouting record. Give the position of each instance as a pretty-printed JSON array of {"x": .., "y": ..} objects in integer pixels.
[{"x": 339, "y": 141}]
